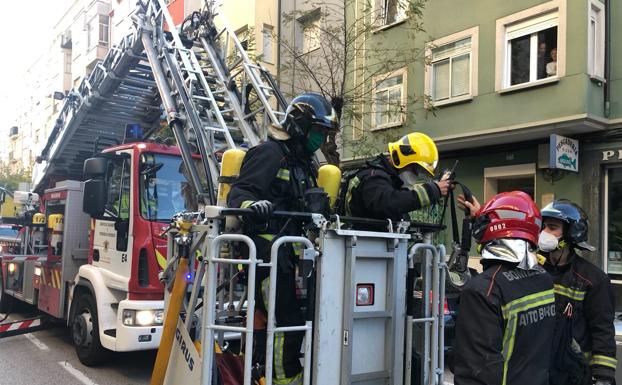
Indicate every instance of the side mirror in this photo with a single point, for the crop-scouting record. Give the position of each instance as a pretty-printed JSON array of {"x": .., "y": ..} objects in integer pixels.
[
  {"x": 94, "y": 201},
  {"x": 95, "y": 168}
]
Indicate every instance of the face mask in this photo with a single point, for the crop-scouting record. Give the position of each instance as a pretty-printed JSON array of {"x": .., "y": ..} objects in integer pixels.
[
  {"x": 547, "y": 242},
  {"x": 408, "y": 177},
  {"x": 314, "y": 140}
]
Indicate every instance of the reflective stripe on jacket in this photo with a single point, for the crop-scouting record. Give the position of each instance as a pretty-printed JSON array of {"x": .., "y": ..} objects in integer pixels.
[{"x": 505, "y": 327}]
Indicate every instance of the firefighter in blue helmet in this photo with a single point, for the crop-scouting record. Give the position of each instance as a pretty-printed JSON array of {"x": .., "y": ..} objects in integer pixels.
[
  {"x": 274, "y": 176},
  {"x": 584, "y": 299}
]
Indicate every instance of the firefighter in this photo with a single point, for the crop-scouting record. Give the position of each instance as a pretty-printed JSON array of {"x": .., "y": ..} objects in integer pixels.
[
  {"x": 507, "y": 313},
  {"x": 388, "y": 188},
  {"x": 275, "y": 176},
  {"x": 581, "y": 287}
]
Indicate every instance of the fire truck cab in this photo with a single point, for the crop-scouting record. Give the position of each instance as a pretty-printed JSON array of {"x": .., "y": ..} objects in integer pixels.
[{"x": 95, "y": 261}]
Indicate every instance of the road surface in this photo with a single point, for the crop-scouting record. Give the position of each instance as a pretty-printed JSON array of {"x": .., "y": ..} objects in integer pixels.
[{"x": 48, "y": 357}]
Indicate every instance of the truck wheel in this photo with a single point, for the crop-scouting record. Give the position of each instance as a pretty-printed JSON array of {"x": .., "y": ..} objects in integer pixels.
[
  {"x": 6, "y": 301},
  {"x": 85, "y": 332}
]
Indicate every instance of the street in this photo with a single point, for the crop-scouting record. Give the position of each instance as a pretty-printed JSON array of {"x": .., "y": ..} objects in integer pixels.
[{"x": 48, "y": 357}]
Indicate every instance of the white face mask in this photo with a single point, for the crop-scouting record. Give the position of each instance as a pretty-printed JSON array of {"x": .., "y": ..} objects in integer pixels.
[
  {"x": 547, "y": 242},
  {"x": 408, "y": 177}
]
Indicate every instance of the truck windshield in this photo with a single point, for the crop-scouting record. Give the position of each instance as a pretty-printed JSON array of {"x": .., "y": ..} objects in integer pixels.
[{"x": 165, "y": 190}]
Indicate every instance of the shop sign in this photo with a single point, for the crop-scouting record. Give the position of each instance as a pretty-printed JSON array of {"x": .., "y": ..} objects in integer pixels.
[
  {"x": 611, "y": 155},
  {"x": 564, "y": 153}
]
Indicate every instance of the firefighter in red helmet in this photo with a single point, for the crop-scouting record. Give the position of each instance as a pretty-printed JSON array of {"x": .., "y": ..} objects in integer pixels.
[{"x": 507, "y": 313}]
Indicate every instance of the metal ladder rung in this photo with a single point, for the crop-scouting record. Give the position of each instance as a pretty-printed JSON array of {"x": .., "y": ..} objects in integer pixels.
[
  {"x": 216, "y": 129},
  {"x": 192, "y": 71},
  {"x": 253, "y": 113}
]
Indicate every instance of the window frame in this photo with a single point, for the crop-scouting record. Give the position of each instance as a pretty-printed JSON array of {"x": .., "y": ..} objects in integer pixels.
[
  {"x": 404, "y": 89},
  {"x": 101, "y": 28},
  {"x": 596, "y": 43},
  {"x": 494, "y": 174},
  {"x": 605, "y": 222},
  {"x": 526, "y": 16},
  {"x": 267, "y": 30},
  {"x": 380, "y": 14},
  {"x": 315, "y": 23},
  {"x": 472, "y": 33}
]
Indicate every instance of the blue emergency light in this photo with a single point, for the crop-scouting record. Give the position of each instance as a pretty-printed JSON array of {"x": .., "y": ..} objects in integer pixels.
[{"x": 133, "y": 132}]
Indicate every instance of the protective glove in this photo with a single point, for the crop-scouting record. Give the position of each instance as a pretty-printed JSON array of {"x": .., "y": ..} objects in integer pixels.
[{"x": 262, "y": 210}]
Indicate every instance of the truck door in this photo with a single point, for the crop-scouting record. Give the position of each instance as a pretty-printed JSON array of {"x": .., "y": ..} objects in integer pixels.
[{"x": 112, "y": 235}]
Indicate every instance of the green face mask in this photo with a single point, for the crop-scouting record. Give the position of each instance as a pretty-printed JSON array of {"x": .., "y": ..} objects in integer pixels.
[{"x": 314, "y": 141}]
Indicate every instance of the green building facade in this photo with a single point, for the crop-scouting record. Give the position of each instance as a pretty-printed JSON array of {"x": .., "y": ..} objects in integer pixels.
[{"x": 500, "y": 77}]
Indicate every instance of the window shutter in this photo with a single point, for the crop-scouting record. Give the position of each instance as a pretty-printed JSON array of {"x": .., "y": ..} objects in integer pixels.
[{"x": 532, "y": 25}]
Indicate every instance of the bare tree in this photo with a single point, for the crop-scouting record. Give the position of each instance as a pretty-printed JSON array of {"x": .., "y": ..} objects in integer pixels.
[{"x": 333, "y": 47}]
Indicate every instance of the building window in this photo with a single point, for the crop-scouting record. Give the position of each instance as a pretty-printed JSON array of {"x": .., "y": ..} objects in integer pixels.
[
  {"x": 531, "y": 50},
  {"x": 266, "y": 53},
  {"x": 596, "y": 40},
  {"x": 310, "y": 30},
  {"x": 613, "y": 220},
  {"x": 389, "y": 93},
  {"x": 519, "y": 177},
  {"x": 68, "y": 62},
  {"x": 530, "y": 46},
  {"x": 389, "y": 12},
  {"x": 452, "y": 73},
  {"x": 104, "y": 30}
]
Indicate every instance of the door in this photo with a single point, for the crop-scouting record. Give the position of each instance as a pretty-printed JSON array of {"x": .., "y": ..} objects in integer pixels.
[{"x": 112, "y": 236}]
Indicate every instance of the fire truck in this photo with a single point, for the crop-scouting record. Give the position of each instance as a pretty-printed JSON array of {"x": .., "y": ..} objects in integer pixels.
[
  {"x": 93, "y": 249},
  {"x": 105, "y": 189},
  {"x": 113, "y": 224}
]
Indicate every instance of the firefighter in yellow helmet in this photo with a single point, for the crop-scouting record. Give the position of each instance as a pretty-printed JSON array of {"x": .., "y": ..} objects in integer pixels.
[{"x": 387, "y": 187}]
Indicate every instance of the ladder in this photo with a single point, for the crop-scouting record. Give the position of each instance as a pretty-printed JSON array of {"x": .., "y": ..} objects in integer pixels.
[{"x": 214, "y": 97}]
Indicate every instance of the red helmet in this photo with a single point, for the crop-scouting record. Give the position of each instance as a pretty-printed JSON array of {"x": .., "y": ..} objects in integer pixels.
[{"x": 508, "y": 215}]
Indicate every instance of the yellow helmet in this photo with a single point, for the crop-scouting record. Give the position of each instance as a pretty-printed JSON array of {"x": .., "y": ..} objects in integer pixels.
[
  {"x": 414, "y": 148},
  {"x": 38, "y": 219}
]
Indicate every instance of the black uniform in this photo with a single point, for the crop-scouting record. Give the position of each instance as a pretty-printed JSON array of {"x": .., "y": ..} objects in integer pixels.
[
  {"x": 588, "y": 289},
  {"x": 505, "y": 327},
  {"x": 377, "y": 191},
  {"x": 271, "y": 172}
]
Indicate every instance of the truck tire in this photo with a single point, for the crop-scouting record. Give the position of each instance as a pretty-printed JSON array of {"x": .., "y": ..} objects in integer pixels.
[
  {"x": 85, "y": 332},
  {"x": 6, "y": 301}
]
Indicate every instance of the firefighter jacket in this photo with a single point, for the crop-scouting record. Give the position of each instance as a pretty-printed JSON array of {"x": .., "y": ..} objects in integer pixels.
[
  {"x": 588, "y": 290},
  {"x": 272, "y": 172},
  {"x": 377, "y": 192},
  {"x": 505, "y": 327}
]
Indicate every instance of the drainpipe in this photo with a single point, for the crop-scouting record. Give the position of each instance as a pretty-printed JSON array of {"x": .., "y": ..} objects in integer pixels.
[
  {"x": 278, "y": 43},
  {"x": 607, "y": 85}
]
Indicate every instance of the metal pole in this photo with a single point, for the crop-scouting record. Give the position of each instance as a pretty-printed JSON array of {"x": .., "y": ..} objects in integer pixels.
[
  {"x": 209, "y": 316},
  {"x": 430, "y": 317},
  {"x": 435, "y": 315},
  {"x": 272, "y": 299},
  {"x": 441, "y": 344}
]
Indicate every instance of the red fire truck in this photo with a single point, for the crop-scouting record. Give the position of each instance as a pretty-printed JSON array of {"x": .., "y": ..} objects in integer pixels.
[{"x": 94, "y": 249}]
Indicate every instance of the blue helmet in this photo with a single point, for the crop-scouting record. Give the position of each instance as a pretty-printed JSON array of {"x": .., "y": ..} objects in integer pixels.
[
  {"x": 575, "y": 220},
  {"x": 307, "y": 110}
]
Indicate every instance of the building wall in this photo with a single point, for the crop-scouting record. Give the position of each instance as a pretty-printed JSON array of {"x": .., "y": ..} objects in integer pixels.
[
  {"x": 574, "y": 96},
  {"x": 255, "y": 16}
]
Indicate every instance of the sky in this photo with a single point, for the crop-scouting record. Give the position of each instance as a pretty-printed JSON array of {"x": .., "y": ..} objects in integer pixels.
[{"x": 27, "y": 32}]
